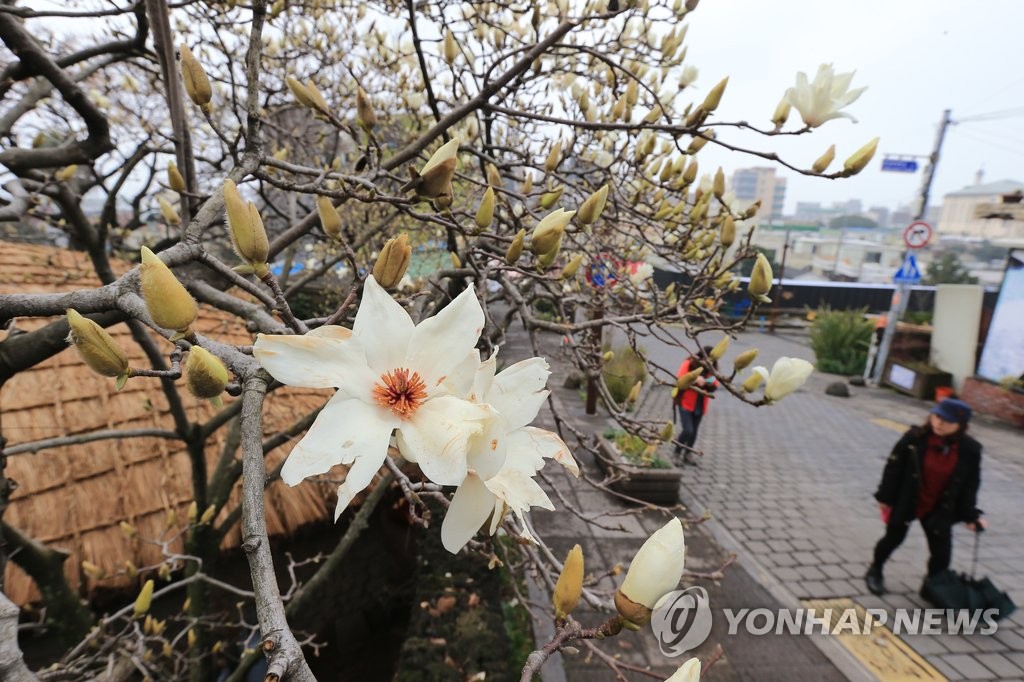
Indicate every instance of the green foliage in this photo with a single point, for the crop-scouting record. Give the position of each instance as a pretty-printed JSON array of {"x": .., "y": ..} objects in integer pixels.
[
  {"x": 840, "y": 339},
  {"x": 634, "y": 450},
  {"x": 851, "y": 221},
  {"x": 948, "y": 270},
  {"x": 622, "y": 372}
]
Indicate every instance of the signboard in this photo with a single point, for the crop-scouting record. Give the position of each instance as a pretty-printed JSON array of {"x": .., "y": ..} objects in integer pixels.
[
  {"x": 917, "y": 235},
  {"x": 1002, "y": 357},
  {"x": 902, "y": 377},
  {"x": 603, "y": 271},
  {"x": 908, "y": 273},
  {"x": 899, "y": 165}
]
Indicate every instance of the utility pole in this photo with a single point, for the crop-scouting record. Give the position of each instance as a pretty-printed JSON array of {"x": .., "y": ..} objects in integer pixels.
[{"x": 902, "y": 293}]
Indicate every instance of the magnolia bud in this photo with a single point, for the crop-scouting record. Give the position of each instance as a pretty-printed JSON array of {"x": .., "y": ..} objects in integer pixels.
[
  {"x": 856, "y": 163},
  {"x": 130, "y": 569},
  {"x": 570, "y": 269},
  {"x": 757, "y": 377},
  {"x": 690, "y": 174},
  {"x": 301, "y": 92},
  {"x": 66, "y": 173},
  {"x": 654, "y": 572},
  {"x": 493, "y": 176},
  {"x": 570, "y": 584},
  {"x": 248, "y": 235},
  {"x": 744, "y": 359},
  {"x": 192, "y": 638},
  {"x": 128, "y": 529},
  {"x": 714, "y": 97},
  {"x": 592, "y": 208},
  {"x": 169, "y": 304},
  {"x": 719, "y": 350},
  {"x": 608, "y": 356},
  {"x": 392, "y": 261},
  {"x": 485, "y": 214},
  {"x": 456, "y": 261},
  {"x": 760, "y": 279},
  {"x": 554, "y": 156},
  {"x": 365, "y": 114},
  {"x": 546, "y": 259},
  {"x": 548, "y": 199},
  {"x": 168, "y": 212},
  {"x": 174, "y": 178},
  {"x": 197, "y": 85},
  {"x": 330, "y": 219},
  {"x": 781, "y": 114},
  {"x": 686, "y": 380},
  {"x": 450, "y": 48},
  {"x": 667, "y": 431},
  {"x": 193, "y": 513},
  {"x": 97, "y": 348},
  {"x": 92, "y": 570},
  {"x": 698, "y": 141},
  {"x": 718, "y": 188},
  {"x": 548, "y": 233},
  {"x": 208, "y": 515},
  {"x": 824, "y": 160},
  {"x": 728, "y": 234},
  {"x": 634, "y": 393},
  {"x": 436, "y": 176},
  {"x": 171, "y": 519},
  {"x": 144, "y": 600},
  {"x": 319, "y": 103},
  {"x": 205, "y": 375},
  {"x": 515, "y": 249}
]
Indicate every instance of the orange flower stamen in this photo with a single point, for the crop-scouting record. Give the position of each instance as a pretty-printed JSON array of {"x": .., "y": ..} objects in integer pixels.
[{"x": 400, "y": 391}]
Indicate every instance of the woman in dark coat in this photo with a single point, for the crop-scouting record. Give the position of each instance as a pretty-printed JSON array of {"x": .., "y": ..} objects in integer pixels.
[
  {"x": 932, "y": 475},
  {"x": 690, "y": 405}
]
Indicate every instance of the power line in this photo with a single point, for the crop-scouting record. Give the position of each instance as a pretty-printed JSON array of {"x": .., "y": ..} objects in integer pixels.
[{"x": 993, "y": 115}]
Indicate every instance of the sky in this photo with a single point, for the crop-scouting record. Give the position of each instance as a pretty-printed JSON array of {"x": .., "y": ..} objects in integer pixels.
[{"x": 916, "y": 57}]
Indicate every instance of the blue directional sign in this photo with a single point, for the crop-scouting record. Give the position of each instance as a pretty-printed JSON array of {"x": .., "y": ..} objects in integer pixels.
[
  {"x": 908, "y": 273},
  {"x": 899, "y": 165}
]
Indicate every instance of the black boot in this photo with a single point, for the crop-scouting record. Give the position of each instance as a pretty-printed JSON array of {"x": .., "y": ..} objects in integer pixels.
[{"x": 874, "y": 580}]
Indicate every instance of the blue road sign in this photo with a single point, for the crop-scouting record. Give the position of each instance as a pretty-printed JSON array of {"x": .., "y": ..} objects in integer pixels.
[
  {"x": 908, "y": 273},
  {"x": 899, "y": 165}
]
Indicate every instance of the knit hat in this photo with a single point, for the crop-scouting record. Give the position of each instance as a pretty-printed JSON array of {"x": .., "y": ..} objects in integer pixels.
[{"x": 953, "y": 410}]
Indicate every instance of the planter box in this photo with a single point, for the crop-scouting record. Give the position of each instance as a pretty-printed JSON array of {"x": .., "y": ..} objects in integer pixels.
[
  {"x": 915, "y": 380},
  {"x": 994, "y": 400},
  {"x": 657, "y": 486}
]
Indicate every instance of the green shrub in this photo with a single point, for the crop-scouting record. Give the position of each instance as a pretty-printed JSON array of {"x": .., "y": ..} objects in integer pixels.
[
  {"x": 840, "y": 339},
  {"x": 622, "y": 372},
  {"x": 634, "y": 449}
]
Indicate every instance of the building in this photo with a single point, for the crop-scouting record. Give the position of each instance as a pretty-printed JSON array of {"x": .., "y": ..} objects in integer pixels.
[
  {"x": 760, "y": 184},
  {"x": 959, "y": 212}
]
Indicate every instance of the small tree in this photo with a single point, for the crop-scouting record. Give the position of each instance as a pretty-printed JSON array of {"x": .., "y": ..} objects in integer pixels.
[{"x": 948, "y": 269}]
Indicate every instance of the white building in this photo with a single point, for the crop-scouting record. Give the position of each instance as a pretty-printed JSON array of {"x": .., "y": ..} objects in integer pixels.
[{"x": 959, "y": 209}]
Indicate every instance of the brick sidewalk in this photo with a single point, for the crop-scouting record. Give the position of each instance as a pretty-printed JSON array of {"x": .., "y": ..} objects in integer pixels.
[{"x": 793, "y": 484}]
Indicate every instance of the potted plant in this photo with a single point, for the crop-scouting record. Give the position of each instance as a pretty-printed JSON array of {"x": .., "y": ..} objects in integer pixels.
[{"x": 643, "y": 472}]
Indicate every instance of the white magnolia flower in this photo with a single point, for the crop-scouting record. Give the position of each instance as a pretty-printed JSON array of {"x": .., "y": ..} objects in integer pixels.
[
  {"x": 688, "y": 672},
  {"x": 643, "y": 273},
  {"x": 390, "y": 374},
  {"x": 505, "y": 456},
  {"x": 657, "y": 567},
  {"x": 787, "y": 375},
  {"x": 822, "y": 99}
]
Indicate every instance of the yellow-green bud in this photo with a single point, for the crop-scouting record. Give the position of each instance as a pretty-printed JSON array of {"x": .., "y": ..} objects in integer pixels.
[
  {"x": 635, "y": 615},
  {"x": 192, "y": 515},
  {"x": 436, "y": 176},
  {"x": 364, "y": 110},
  {"x": 128, "y": 529},
  {"x": 392, "y": 261},
  {"x": 319, "y": 103},
  {"x": 634, "y": 393},
  {"x": 760, "y": 279},
  {"x": 66, "y": 173},
  {"x": 330, "y": 219},
  {"x": 169, "y": 304},
  {"x": 744, "y": 359},
  {"x": 608, "y": 356},
  {"x": 493, "y": 176},
  {"x": 546, "y": 259},
  {"x": 208, "y": 515},
  {"x": 592, "y": 208},
  {"x": 823, "y": 161},
  {"x": 554, "y": 156},
  {"x": 144, "y": 600},
  {"x": 667, "y": 431},
  {"x": 168, "y": 212},
  {"x": 93, "y": 571},
  {"x": 781, "y": 114},
  {"x": 175, "y": 180},
  {"x": 450, "y": 49},
  {"x": 205, "y": 375},
  {"x": 301, "y": 92},
  {"x": 728, "y": 234},
  {"x": 197, "y": 85},
  {"x": 573, "y": 265},
  {"x": 752, "y": 382},
  {"x": 515, "y": 249},
  {"x": 569, "y": 587},
  {"x": 97, "y": 348},
  {"x": 248, "y": 235},
  {"x": 719, "y": 350},
  {"x": 456, "y": 261},
  {"x": 718, "y": 186},
  {"x": 698, "y": 141},
  {"x": 714, "y": 97},
  {"x": 690, "y": 174},
  {"x": 860, "y": 158},
  {"x": 548, "y": 234},
  {"x": 548, "y": 199},
  {"x": 485, "y": 214},
  {"x": 685, "y": 381}
]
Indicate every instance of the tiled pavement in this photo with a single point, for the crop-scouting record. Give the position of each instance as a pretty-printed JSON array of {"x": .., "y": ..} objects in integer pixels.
[
  {"x": 792, "y": 484},
  {"x": 790, "y": 489}
]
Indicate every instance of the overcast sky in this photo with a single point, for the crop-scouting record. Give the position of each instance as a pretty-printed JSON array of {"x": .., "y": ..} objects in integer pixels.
[{"x": 917, "y": 57}]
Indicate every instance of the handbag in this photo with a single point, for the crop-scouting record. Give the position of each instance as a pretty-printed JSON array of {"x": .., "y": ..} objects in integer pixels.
[{"x": 951, "y": 590}]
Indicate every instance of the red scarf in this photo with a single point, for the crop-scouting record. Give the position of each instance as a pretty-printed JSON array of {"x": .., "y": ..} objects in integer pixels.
[{"x": 937, "y": 465}]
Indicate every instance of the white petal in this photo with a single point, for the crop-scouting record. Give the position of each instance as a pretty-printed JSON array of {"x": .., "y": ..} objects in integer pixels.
[
  {"x": 529, "y": 446},
  {"x": 469, "y": 509},
  {"x": 346, "y": 429},
  {"x": 437, "y": 437},
  {"x": 383, "y": 327},
  {"x": 359, "y": 476},
  {"x": 488, "y": 449},
  {"x": 518, "y": 391},
  {"x": 519, "y": 491},
  {"x": 460, "y": 380},
  {"x": 440, "y": 343},
  {"x": 483, "y": 379},
  {"x": 314, "y": 361},
  {"x": 331, "y": 331}
]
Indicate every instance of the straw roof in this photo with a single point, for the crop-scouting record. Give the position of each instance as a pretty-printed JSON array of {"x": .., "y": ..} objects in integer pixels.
[{"x": 75, "y": 497}]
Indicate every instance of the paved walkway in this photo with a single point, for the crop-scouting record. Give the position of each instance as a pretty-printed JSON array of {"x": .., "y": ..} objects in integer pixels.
[{"x": 792, "y": 485}]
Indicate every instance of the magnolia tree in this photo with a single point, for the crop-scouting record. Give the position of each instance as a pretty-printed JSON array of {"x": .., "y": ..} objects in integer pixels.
[{"x": 544, "y": 147}]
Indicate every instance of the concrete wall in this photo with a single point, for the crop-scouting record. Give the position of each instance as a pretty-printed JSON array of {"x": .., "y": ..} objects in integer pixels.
[{"x": 955, "y": 329}]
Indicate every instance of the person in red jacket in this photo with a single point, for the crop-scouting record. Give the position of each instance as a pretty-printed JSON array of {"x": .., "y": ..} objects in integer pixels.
[{"x": 690, "y": 405}]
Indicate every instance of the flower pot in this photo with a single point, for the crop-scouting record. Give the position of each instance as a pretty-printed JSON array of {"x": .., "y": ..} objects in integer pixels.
[{"x": 655, "y": 486}]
